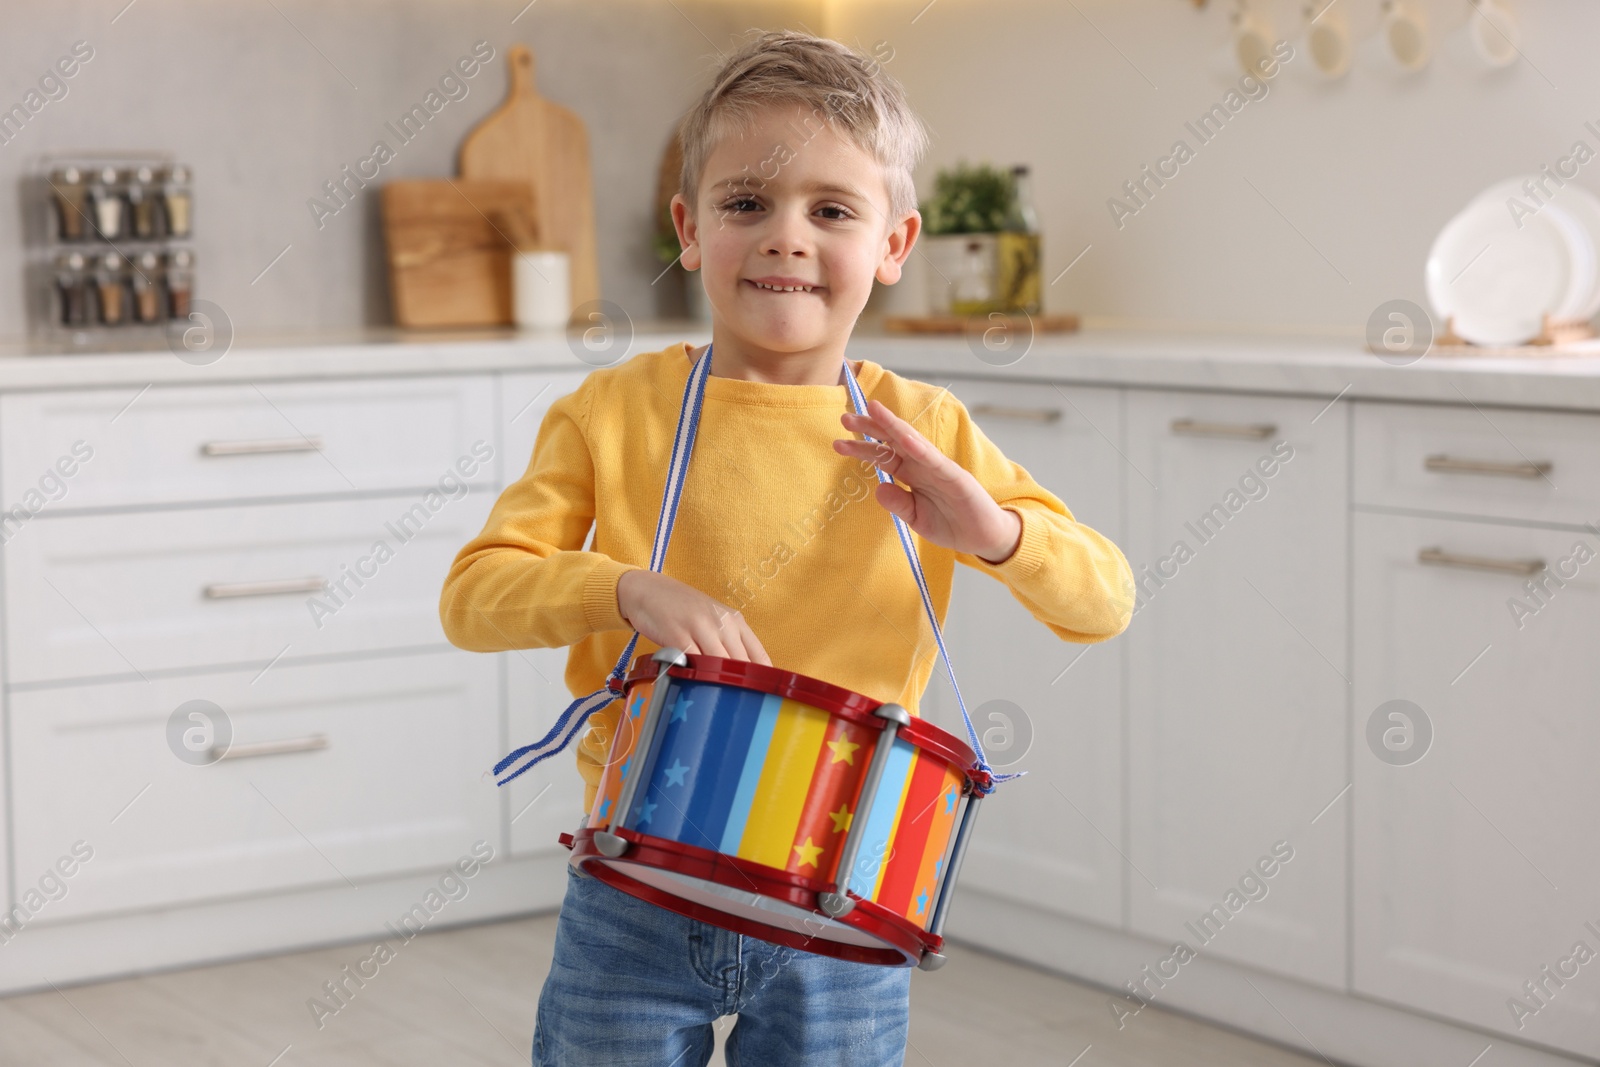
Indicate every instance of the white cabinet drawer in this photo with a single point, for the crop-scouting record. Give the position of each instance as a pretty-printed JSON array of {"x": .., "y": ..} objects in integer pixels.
[
  {"x": 1535, "y": 466},
  {"x": 1474, "y": 865},
  {"x": 98, "y": 595},
  {"x": 398, "y": 786},
  {"x": 223, "y": 442}
]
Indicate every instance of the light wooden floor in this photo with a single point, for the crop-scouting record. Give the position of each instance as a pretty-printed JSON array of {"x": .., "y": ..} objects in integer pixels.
[{"x": 466, "y": 997}]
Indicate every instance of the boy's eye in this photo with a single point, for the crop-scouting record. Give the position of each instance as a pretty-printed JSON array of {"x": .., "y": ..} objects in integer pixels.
[{"x": 736, "y": 206}]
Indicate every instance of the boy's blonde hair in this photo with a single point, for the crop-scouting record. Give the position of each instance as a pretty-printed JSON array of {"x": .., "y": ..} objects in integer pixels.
[{"x": 844, "y": 89}]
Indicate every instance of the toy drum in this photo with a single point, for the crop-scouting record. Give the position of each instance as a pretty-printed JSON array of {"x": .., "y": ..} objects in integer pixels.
[{"x": 779, "y": 806}]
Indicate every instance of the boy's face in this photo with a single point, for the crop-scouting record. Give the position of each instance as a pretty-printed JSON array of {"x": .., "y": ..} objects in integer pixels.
[{"x": 794, "y": 200}]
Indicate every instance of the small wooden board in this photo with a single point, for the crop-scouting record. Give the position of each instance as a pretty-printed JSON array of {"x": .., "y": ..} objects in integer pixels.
[
  {"x": 545, "y": 145},
  {"x": 449, "y": 263},
  {"x": 959, "y": 324}
]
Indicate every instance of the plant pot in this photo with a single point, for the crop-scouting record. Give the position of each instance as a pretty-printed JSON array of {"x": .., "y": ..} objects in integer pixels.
[{"x": 964, "y": 279}]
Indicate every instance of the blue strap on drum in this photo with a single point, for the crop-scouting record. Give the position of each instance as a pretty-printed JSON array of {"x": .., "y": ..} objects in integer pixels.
[{"x": 578, "y": 712}]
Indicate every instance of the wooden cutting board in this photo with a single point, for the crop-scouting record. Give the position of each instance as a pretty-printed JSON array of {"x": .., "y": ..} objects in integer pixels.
[
  {"x": 531, "y": 139},
  {"x": 449, "y": 261}
]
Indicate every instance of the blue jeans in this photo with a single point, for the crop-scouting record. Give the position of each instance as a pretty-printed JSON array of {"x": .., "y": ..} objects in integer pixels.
[{"x": 635, "y": 985}]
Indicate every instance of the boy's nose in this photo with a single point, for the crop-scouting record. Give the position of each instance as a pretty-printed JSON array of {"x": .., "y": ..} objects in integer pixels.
[{"x": 787, "y": 236}]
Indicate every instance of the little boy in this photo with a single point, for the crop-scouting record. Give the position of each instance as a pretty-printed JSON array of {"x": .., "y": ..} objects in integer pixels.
[{"x": 796, "y": 192}]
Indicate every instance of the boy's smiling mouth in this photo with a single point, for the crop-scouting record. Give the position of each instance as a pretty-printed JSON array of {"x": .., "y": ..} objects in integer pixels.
[{"x": 781, "y": 285}]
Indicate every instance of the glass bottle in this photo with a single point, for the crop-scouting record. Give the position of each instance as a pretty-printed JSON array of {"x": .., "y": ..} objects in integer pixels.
[
  {"x": 1020, "y": 249},
  {"x": 72, "y": 282},
  {"x": 108, "y": 204},
  {"x": 180, "y": 282},
  {"x": 177, "y": 197},
  {"x": 71, "y": 201},
  {"x": 142, "y": 203},
  {"x": 147, "y": 288},
  {"x": 113, "y": 291}
]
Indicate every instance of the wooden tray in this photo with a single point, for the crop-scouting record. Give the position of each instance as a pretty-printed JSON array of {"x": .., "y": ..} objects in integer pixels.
[
  {"x": 1551, "y": 343},
  {"x": 449, "y": 263},
  {"x": 959, "y": 324}
]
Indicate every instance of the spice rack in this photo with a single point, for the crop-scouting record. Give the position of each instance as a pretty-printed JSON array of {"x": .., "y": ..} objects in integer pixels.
[{"x": 108, "y": 237}]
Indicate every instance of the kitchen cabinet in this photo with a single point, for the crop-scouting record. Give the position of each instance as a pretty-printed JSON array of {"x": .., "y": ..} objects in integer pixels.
[
  {"x": 1238, "y": 676},
  {"x": 178, "y": 443},
  {"x": 337, "y": 774},
  {"x": 1473, "y": 865},
  {"x": 128, "y": 593},
  {"x": 1039, "y": 704},
  {"x": 1528, "y": 466}
]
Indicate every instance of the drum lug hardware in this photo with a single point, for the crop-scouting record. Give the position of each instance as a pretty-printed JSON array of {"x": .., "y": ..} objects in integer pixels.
[
  {"x": 894, "y": 717},
  {"x": 606, "y": 841},
  {"x": 836, "y": 905},
  {"x": 609, "y": 843},
  {"x": 931, "y": 961}
]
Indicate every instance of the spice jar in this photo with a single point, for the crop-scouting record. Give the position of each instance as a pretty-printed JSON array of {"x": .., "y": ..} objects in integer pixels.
[
  {"x": 147, "y": 287},
  {"x": 142, "y": 194},
  {"x": 72, "y": 284},
  {"x": 71, "y": 202},
  {"x": 111, "y": 285},
  {"x": 176, "y": 195},
  {"x": 180, "y": 282},
  {"x": 105, "y": 198}
]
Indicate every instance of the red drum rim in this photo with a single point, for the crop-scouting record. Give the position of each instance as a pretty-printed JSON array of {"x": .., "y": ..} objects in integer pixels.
[
  {"x": 846, "y": 703},
  {"x": 904, "y": 941}
]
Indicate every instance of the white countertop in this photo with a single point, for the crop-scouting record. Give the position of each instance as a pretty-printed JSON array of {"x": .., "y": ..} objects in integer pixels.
[{"x": 1234, "y": 363}]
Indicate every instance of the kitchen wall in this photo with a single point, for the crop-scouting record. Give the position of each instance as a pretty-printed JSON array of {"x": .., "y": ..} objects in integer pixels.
[
  {"x": 1316, "y": 203},
  {"x": 268, "y": 100}
]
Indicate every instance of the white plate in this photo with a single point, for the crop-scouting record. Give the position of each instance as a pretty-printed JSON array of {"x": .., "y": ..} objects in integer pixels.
[
  {"x": 1584, "y": 208},
  {"x": 1495, "y": 280}
]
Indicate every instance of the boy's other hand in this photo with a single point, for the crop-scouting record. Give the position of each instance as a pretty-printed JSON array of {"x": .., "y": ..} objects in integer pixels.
[
  {"x": 945, "y": 504},
  {"x": 674, "y": 614}
]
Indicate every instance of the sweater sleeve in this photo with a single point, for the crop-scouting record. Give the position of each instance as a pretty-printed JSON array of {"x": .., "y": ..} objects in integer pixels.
[
  {"x": 524, "y": 581},
  {"x": 1069, "y": 576}
]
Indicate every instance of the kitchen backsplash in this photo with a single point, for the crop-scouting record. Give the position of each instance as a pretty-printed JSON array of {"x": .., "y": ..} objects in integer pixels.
[
  {"x": 272, "y": 102},
  {"x": 1312, "y": 205}
]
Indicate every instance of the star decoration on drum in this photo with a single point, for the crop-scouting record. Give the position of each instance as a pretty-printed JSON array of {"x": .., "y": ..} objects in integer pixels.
[
  {"x": 843, "y": 749},
  {"x": 841, "y": 819},
  {"x": 647, "y": 809},
  {"x": 676, "y": 772},
  {"x": 808, "y": 853},
  {"x": 680, "y": 710}
]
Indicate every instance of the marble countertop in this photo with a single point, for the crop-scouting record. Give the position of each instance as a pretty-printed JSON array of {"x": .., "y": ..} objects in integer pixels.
[{"x": 1294, "y": 365}]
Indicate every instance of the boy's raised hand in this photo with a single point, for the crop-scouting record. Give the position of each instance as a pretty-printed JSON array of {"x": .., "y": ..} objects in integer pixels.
[
  {"x": 675, "y": 614},
  {"x": 945, "y": 504}
]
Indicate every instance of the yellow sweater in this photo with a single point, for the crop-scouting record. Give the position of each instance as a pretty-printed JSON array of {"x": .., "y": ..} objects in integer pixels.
[{"x": 772, "y": 522}]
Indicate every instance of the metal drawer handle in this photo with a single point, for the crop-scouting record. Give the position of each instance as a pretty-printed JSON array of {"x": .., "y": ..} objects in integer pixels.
[
  {"x": 1252, "y": 430},
  {"x": 1440, "y": 557},
  {"x": 1480, "y": 466},
  {"x": 224, "y": 590},
  {"x": 272, "y": 748},
  {"x": 1003, "y": 412},
  {"x": 311, "y": 443}
]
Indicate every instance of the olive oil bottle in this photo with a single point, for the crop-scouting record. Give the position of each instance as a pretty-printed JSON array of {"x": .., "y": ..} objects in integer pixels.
[{"x": 1018, "y": 250}]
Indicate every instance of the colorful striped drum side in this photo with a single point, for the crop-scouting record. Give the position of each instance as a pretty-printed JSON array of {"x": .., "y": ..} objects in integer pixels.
[{"x": 775, "y": 781}]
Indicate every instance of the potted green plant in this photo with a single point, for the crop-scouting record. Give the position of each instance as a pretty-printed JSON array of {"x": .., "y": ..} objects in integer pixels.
[{"x": 961, "y": 227}]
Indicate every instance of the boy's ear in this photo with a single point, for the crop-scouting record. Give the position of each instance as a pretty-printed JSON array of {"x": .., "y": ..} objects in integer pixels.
[
  {"x": 897, "y": 246},
  {"x": 688, "y": 232}
]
